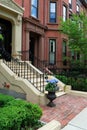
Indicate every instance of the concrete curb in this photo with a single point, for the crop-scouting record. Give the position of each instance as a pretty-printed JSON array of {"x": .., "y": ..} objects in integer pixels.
[{"x": 53, "y": 125}]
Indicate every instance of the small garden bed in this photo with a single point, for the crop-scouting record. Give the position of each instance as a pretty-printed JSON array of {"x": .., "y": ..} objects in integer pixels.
[
  {"x": 78, "y": 83},
  {"x": 18, "y": 114}
]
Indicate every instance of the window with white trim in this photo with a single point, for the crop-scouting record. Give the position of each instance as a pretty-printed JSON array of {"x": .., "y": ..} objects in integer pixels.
[
  {"x": 77, "y": 8},
  {"x": 34, "y": 8},
  {"x": 52, "y": 13},
  {"x": 64, "y": 13},
  {"x": 52, "y": 51},
  {"x": 70, "y": 4}
]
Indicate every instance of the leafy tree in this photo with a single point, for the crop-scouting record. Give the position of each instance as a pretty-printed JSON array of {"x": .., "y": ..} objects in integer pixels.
[
  {"x": 1, "y": 37},
  {"x": 76, "y": 30}
]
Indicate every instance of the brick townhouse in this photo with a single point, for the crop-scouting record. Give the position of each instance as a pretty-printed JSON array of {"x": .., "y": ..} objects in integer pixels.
[{"x": 30, "y": 29}]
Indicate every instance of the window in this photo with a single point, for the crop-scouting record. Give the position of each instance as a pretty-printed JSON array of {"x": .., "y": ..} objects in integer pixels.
[
  {"x": 73, "y": 55},
  {"x": 52, "y": 51},
  {"x": 64, "y": 13},
  {"x": 64, "y": 53},
  {"x": 53, "y": 12},
  {"x": 34, "y": 8},
  {"x": 77, "y": 8},
  {"x": 70, "y": 4}
]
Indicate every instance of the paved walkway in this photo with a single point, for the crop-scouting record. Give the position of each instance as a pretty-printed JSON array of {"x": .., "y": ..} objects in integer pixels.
[
  {"x": 67, "y": 107},
  {"x": 79, "y": 122}
]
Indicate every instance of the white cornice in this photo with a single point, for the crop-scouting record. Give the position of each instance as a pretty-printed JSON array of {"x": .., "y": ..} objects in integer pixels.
[{"x": 12, "y": 6}]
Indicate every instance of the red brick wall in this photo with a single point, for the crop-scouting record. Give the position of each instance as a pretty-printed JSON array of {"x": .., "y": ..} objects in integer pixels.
[{"x": 52, "y": 31}]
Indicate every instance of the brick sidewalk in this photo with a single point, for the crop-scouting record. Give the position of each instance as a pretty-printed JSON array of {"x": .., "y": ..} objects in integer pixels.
[{"x": 67, "y": 107}]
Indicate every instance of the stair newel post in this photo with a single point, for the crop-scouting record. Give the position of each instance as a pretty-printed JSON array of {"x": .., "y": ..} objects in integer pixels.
[{"x": 27, "y": 71}]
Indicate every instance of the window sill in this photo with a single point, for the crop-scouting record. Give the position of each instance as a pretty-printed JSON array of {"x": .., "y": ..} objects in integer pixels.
[
  {"x": 52, "y": 23},
  {"x": 33, "y": 18}
]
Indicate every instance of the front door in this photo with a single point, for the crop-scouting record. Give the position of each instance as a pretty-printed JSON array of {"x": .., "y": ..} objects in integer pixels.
[
  {"x": 6, "y": 31},
  {"x": 31, "y": 50}
]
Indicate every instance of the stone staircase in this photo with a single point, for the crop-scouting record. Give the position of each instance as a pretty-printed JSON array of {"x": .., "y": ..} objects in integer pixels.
[
  {"x": 26, "y": 70},
  {"x": 24, "y": 79}
]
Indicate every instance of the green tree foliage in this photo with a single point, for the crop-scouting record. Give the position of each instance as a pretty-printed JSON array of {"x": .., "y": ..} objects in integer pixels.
[
  {"x": 1, "y": 37},
  {"x": 76, "y": 30}
]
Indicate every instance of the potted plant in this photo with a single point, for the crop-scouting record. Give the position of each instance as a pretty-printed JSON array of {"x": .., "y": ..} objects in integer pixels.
[{"x": 51, "y": 87}]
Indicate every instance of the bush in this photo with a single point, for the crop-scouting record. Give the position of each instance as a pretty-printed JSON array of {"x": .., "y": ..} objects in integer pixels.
[
  {"x": 4, "y": 99},
  {"x": 77, "y": 83},
  {"x": 62, "y": 78},
  {"x": 33, "y": 111},
  {"x": 11, "y": 117},
  {"x": 19, "y": 113}
]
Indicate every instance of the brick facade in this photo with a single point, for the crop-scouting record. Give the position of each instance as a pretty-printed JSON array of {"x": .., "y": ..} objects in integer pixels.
[{"x": 38, "y": 32}]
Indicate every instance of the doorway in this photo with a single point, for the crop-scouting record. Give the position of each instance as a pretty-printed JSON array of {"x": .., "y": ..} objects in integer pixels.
[
  {"x": 6, "y": 31},
  {"x": 31, "y": 50}
]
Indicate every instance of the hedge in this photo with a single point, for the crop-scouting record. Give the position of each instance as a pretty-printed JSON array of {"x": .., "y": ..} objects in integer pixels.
[
  {"x": 18, "y": 113},
  {"x": 4, "y": 99}
]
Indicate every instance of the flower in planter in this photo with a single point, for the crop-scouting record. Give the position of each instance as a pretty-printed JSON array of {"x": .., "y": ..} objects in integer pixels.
[{"x": 52, "y": 85}]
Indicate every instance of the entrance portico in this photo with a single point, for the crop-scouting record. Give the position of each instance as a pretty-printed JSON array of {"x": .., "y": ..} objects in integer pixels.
[
  {"x": 11, "y": 20},
  {"x": 35, "y": 40}
]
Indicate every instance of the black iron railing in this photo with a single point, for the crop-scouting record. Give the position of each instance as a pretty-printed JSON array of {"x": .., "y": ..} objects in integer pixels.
[
  {"x": 58, "y": 67},
  {"x": 43, "y": 65},
  {"x": 25, "y": 70}
]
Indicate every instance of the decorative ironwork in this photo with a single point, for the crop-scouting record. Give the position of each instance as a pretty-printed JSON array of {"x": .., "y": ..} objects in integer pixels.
[{"x": 25, "y": 70}]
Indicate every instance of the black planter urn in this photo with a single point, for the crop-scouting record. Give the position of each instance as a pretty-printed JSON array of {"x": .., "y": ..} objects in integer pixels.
[{"x": 51, "y": 96}]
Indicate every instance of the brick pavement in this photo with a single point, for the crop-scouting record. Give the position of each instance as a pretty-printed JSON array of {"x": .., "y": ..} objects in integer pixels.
[{"x": 67, "y": 107}]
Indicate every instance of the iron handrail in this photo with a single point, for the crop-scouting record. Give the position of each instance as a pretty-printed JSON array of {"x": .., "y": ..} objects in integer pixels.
[{"x": 27, "y": 71}]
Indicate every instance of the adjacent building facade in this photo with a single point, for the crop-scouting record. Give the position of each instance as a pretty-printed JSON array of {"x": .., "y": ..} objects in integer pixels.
[{"x": 30, "y": 29}]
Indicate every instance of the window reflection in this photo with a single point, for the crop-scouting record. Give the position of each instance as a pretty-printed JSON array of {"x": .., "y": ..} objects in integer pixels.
[
  {"x": 34, "y": 8},
  {"x": 52, "y": 12}
]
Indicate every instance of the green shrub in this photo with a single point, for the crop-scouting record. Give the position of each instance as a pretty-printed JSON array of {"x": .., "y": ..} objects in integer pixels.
[
  {"x": 77, "y": 83},
  {"x": 19, "y": 113},
  {"x": 4, "y": 99},
  {"x": 62, "y": 78},
  {"x": 1, "y": 37},
  {"x": 33, "y": 111},
  {"x": 11, "y": 117}
]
